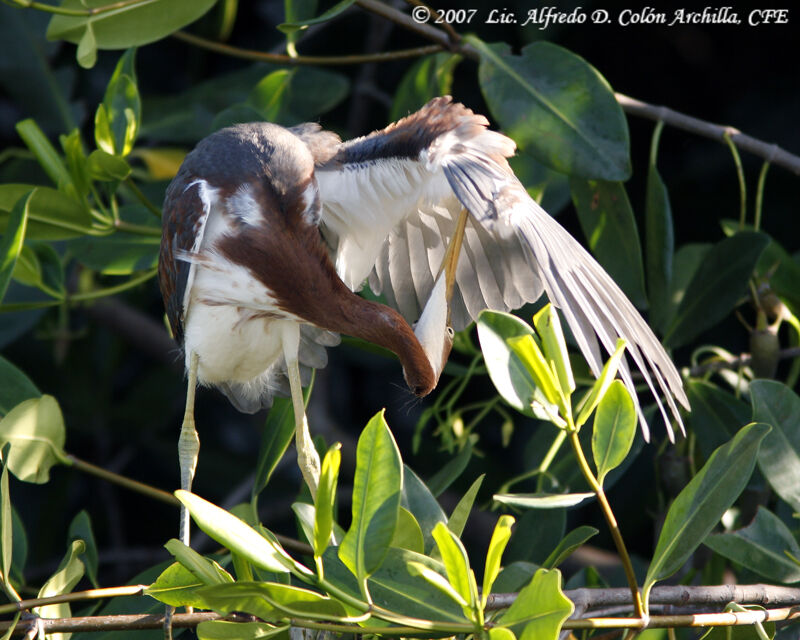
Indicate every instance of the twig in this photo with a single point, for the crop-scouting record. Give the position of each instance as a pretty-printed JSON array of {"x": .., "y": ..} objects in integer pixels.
[
  {"x": 761, "y": 594},
  {"x": 183, "y": 620},
  {"x": 771, "y": 152},
  {"x": 742, "y": 361},
  {"x": 279, "y": 58}
]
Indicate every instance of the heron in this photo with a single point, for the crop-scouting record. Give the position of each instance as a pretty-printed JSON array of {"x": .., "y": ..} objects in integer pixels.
[{"x": 269, "y": 233}]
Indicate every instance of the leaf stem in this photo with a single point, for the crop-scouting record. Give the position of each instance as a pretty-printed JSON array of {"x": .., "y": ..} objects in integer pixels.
[
  {"x": 737, "y": 160},
  {"x": 143, "y": 198},
  {"x": 762, "y": 178},
  {"x": 279, "y": 58},
  {"x": 612, "y": 525},
  {"x": 77, "y": 596},
  {"x": 140, "y": 229}
]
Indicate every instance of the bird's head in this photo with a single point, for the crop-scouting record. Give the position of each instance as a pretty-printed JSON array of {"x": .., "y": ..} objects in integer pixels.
[{"x": 434, "y": 335}]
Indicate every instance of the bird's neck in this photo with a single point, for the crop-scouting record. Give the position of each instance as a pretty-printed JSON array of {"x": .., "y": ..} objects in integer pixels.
[{"x": 383, "y": 326}]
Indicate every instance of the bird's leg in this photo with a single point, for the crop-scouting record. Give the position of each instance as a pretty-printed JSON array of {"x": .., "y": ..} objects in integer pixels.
[
  {"x": 307, "y": 456},
  {"x": 188, "y": 445}
]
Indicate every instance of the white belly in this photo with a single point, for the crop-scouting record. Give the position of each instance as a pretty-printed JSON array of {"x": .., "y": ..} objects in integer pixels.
[
  {"x": 232, "y": 324},
  {"x": 232, "y": 346}
]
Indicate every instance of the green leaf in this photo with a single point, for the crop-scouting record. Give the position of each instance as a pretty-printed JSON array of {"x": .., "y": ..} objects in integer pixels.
[
  {"x": 11, "y": 244},
  {"x": 376, "y": 499},
  {"x": 38, "y": 265},
  {"x": 548, "y": 327},
  {"x": 6, "y": 528},
  {"x": 224, "y": 630},
  {"x": 75, "y": 158},
  {"x": 270, "y": 96},
  {"x": 297, "y": 11},
  {"x": 81, "y": 529},
  {"x": 52, "y": 215},
  {"x": 608, "y": 223},
  {"x": 614, "y": 429},
  {"x": 557, "y": 107},
  {"x": 601, "y": 385},
  {"x": 408, "y": 534},
  {"x": 276, "y": 435},
  {"x": 687, "y": 261},
  {"x": 45, "y": 153},
  {"x": 15, "y": 386},
  {"x": 660, "y": 247},
  {"x": 421, "y": 503},
  {"x": 540, "y": 608},
  {"x": 35, "y": 429},
  {"x": 530, "y": 354},
  {"x": 106, "y": 167},
  {"x": 177, "y": 587},
  {"x": 86, "y": 54},
  {"x": 207, "y": 571},
  {"x": 509, "y": 375},
  {"x": 515, "y": 576},
  {"x": 501, "y": 633},
  {"x": 779, "y": 456},
  {"x": 129, "y": 25},
  {"x": 497, "y": 544},
  {"x": 237, "y": 535},
  {"x": 542, "y": 500},
  {"x": 68, "y": 574},
  {"x": 568, "y": 545},
  {"x": 269, "y": 601},
  {"x": 121, "y": 253},
  {"x": 456, "y": 564},
  {"x": 443, "y": 478},
  {"x": 762, "y": 547},
  {"x": 335, "y": 10},
  {"x": 716, "y": 287},
  {"x": 702, "y": 502},
  {"x": 715, "y": 416},
  {"x": 437, "y": 580},
  {"x": 428, "y": 77},
  {"x": 458, "y": 519},
  {"x": 326, "y": 497}
]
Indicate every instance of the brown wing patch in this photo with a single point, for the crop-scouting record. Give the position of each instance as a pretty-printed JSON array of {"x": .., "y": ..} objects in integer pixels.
[{"x": 184, "y": 217}]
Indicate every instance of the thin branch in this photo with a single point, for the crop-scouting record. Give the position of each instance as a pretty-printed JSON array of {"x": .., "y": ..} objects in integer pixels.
[
  {"x": 742, "y": 361},
  {"x": 76, "y": 596},
  {"x": 761, "y": 594},
  {"x": 183, "y": 620},
  {"x": 770, "y": 152},
  {"x": 279, "y": 58}
]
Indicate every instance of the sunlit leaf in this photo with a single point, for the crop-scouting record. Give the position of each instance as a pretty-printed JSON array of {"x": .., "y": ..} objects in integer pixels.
[
  {"x": 225, "y": 630},
  {"x": 35, "y": 429},
  {"x": 376, "y": 499},
  {"x": 129, "y": 25},
  {"x": 548, "y": 328},
  {"x": 497, "y": 544},
  {"x": 542, "y": 500},
  {"x": 540, "y": 608},
  {"x": 421, "y": 503},
  {"x": 614, "y": 429},
  {"x": 68, "y": 574},
  {"x": 456, "y": 563},
  {"x": 408, "y": 534},
  {"x": 458, "y": 519},
  {"x": 13, "y": 237},
  {"x": 207, "y": 571},
  {"x": 81, "y": 529},
  {"x": 236, "y": 535},
  {"x": 326, "y": 496},
  {"x": 52, "y": 215}
]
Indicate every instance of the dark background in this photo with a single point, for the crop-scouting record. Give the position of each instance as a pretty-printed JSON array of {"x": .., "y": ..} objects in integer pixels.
[{"x": 122, "y": 390}]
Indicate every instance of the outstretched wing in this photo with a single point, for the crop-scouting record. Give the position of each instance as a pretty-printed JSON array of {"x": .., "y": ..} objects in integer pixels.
[{"x": 390, "y": 202}]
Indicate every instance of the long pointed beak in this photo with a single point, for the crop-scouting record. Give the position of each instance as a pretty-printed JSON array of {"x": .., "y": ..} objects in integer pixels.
[{"x": 433, "y": 328}]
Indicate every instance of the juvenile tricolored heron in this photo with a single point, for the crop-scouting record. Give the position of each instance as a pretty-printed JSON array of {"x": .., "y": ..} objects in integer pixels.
[{"x": 269, "y": 230}]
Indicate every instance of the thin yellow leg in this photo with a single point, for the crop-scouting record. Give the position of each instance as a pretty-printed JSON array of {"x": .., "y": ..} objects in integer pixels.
[
  {"x": 307, "y": 456},
  {"x": 188, "y": 449},
  {"x": 188, "y": 445}
]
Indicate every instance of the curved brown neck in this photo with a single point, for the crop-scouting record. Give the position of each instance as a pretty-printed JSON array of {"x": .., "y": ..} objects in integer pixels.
[{"x": 382, "y": 325}]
